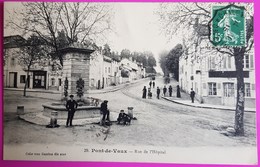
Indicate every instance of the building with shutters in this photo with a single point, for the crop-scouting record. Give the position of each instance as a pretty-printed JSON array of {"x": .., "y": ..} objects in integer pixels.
[{"x": 212, "y": 75}]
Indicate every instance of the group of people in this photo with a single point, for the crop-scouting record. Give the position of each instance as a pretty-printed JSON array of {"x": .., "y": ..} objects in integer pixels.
[
  {"x": 72, "y": 106},
  {"x": 158, "y": 91}
]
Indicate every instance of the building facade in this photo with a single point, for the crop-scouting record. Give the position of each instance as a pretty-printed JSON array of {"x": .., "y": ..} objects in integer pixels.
[
  {"x": 103, "y": 70},
  {"x": 212, "y": 75}
]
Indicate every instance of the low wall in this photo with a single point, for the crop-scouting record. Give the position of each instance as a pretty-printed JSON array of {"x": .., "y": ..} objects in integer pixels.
[{"x": 81, "y": 112}]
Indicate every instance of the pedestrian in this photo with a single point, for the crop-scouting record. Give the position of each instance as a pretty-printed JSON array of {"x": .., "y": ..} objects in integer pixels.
[
  {"x": 158, "y": 92},
  {"x": 153, "y": 84},
  {"x": 178, "y": 91},
  {"x": 164, "y": 91},
  {"x": 170, "y": 91},
  {"x": 149, "y": 93},
  {"x": 105, "y": 112},
  {"x": 71, "y": 106},
  {"x": 192, "y": 95},
  {"x": 150, "y": 83},
  {"x": 144, "y": 92}
]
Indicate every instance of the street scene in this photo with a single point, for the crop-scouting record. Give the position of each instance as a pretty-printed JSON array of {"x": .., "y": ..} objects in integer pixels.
[{"x": 79, "y": 75}]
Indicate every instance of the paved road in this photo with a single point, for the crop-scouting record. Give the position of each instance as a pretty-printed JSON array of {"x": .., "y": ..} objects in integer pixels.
[{"x": 159, "y": 123}]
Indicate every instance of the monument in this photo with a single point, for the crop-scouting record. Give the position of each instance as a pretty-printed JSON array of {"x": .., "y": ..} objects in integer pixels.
[{"x": 76, "y": 62}]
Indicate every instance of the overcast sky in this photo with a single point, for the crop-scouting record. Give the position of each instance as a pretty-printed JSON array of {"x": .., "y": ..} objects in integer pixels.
[{"x": 136, "y": 28}]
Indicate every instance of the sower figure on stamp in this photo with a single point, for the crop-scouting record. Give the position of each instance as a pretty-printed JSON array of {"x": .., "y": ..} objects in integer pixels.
[
  {"x": 192, "y": 95},
  {"x": 71, "y": 106},
  {"x": 105, "y": 112}
]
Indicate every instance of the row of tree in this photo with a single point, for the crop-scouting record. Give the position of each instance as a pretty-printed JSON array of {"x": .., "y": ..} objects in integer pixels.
[
  {"x": 169, "y": 61},
  {"x": 59, "y": 24},
  {"x": 146, "y": 58}
]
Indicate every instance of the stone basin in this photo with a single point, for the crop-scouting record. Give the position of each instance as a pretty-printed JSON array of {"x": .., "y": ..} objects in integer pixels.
[{"x": 82, "y": 112}]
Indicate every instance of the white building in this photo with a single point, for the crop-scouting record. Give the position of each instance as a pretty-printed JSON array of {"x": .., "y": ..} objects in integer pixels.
[
  {"x": 212, "y": 75},
  {"x": 103, "y": 71},
  {"x": 15, "y": 74}
]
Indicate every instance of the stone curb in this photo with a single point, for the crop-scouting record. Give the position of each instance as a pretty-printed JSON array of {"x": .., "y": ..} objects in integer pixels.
[
  {"x": 209, "y": 107},
  {"x": 41, "y": 120}
]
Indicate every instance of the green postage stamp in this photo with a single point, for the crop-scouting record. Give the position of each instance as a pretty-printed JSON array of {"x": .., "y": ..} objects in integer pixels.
[{"x": 228, "y": 26}]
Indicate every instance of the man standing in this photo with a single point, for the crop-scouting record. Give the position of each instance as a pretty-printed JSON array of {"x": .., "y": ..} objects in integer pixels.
[
  {"x": 192, "y": 95},
  {"x": 71, "y": 106},
  {"x": 150, "y": 84},
  {"x": 105, "y": 112},
  {"x": 164, "y": 91},
  {"x": 178, "y": 91},
  {"x": 170, "y": 91},
  {"x": 144, "y": 92},
  {"x": 158, "y": 92}
]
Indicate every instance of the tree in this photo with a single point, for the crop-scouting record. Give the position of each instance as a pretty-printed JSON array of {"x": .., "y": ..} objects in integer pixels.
[
  {"x": 125, "y": 53},
  {"x": 162, "y": 62},
  {"x": 151, "y": 62},
  {"x": 107, "y": 50},
  {"x": 175, "y": 18},
  {"x": 142, "y": 59},
  {"x": 78, "y": 21},
  {"x": 33, "y": 53},
  {"x": 172, "y": 60}
]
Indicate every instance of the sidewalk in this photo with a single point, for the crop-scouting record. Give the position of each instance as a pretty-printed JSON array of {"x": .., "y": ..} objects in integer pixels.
[
  {"x": 95, "y": 91},
  {"x": 202, "y": 105}
]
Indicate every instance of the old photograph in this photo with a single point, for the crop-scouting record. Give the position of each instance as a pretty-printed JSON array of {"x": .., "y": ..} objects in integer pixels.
[{"x": 129, "y": 82}]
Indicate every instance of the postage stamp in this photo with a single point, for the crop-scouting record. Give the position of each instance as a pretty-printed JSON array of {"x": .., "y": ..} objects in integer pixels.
[{"x": 228, "y": 26}]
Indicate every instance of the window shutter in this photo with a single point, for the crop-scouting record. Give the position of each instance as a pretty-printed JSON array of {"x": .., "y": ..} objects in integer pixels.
[
  {"x": 253, "y": 86},
  {"x": 204, "y": 86},
  {"x": 219, "y": 85},
  {"x": 251, "y": 61}
]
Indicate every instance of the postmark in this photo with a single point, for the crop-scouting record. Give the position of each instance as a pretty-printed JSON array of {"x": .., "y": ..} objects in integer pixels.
[{"x": 228, "y": 26}]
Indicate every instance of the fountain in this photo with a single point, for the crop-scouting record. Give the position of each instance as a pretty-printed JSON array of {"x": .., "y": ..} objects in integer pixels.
[{"x": 75, "y": 67}]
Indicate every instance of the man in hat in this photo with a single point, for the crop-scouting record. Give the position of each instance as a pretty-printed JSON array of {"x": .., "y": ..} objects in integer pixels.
[
  {"x": 105, "y": 112},
  {"x": 71, "y": 106}
]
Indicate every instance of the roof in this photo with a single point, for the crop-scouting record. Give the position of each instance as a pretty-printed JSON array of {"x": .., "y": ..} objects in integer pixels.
[
  {"x": 76, "y": 47},
  {"x": 14, "y": 41}
]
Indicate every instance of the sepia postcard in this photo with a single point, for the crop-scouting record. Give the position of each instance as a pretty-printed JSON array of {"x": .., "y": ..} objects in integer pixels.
[{"x": 129, "y": 82}]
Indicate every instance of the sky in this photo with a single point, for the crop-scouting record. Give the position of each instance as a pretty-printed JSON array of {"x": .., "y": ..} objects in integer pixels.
[{"x": 136, "y": 27}]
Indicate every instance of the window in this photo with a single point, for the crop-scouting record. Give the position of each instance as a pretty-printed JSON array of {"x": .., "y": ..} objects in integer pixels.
[
  {"x": 212, "y": 88},
  {"x": 211, "y": 63},
  {"x": 52, "y": 82},
  {"x": 229, "y": 62},
  {"x": 59, "y": 81},
  {"x": 247, "y": 90},
  {"x": 22, "y": 78},
  {"x": 225, "y": 63},
  {"x": 92, "y": 82},
  {"x": 229, "y": 89},
  {"x": 108, "y": 69},
  {"x": 12, "y": 61},
  {"x": 246, "y": 61},
  {"x": 105, "y": 69}
]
